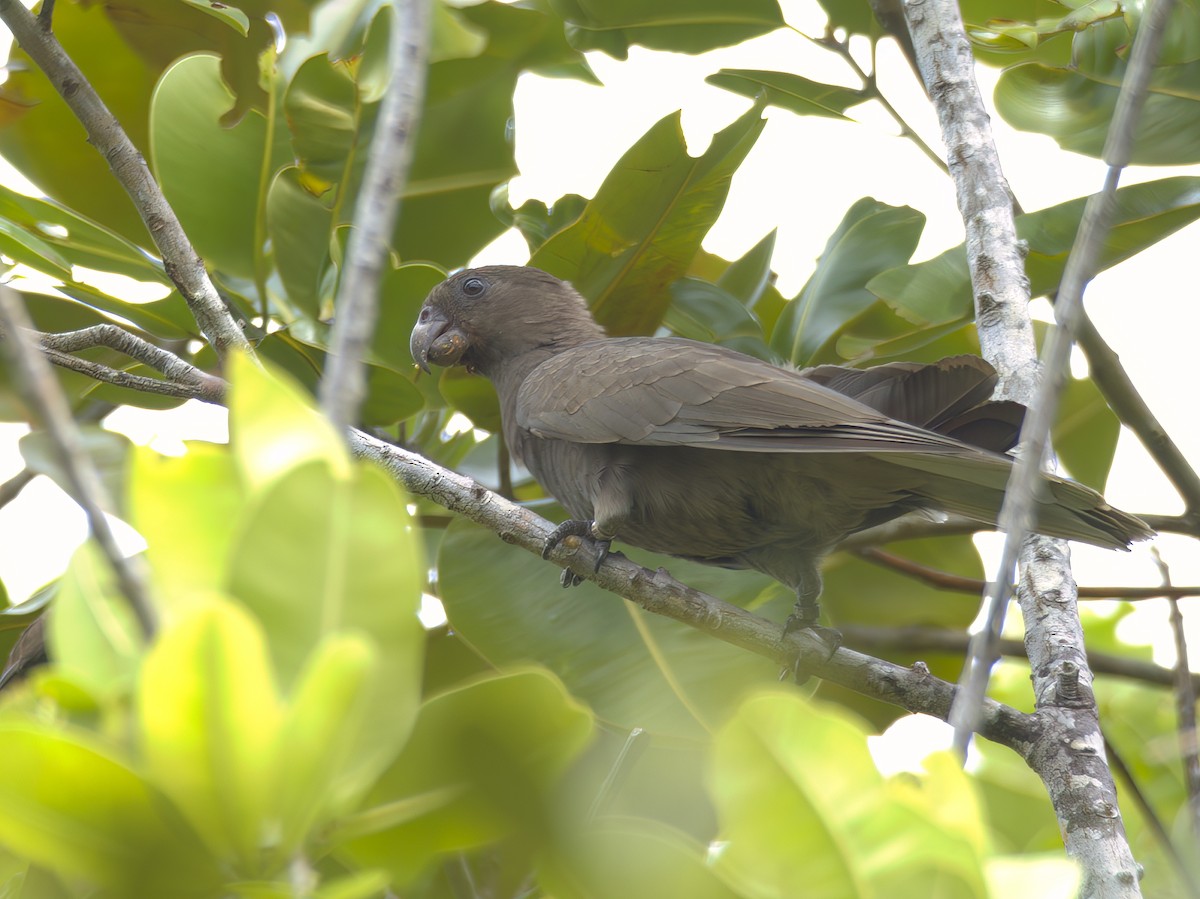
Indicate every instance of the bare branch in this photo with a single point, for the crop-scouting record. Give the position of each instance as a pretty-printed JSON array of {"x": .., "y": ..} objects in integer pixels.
[
  {"x": 1185, "y": 704},
  {"x": 1115, "y": 384},
  {"x": 945, "y": 580},
  {"x": 344, "y": 383},
  {"x": 936, "y": 639},
  {"x": 12, "y": 488},
  {"x": 183, "y": 265},
  {"x": 43, "y": 393}
]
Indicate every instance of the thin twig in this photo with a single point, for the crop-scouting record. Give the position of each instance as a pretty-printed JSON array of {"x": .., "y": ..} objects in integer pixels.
[
  {"x": 1105, "y": 368},
  {"x": 12, "y": 488},
  {"x": 43, "y": 393},
  {"x": 344, "y": 385},
  {"x": 1185, "y": 702},
  {"x": 182, "y": 263},
  {"x": 945, "y": 580},
  {"x": 936, "y": 639},
  {"x": 1153, "y": 821}
]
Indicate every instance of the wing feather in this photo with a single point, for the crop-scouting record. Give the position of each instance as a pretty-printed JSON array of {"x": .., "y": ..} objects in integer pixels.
[{"x": 676, "y": 392}]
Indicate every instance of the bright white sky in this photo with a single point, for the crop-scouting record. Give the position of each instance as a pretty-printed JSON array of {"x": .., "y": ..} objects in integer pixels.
[{"x": 801, "y": 177}]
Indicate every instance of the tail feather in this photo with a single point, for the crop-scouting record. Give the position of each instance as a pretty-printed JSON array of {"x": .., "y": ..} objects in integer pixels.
[{"x": 974, "y": 486}]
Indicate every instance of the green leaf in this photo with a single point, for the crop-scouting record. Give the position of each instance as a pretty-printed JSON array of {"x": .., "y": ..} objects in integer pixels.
[
  {"x": 487, "y": 755},
  {"x": 321, "y": 105},
  {"x": 188, "y": 553},
  {"x": 681, "y": 26},
  {"x": 47, "y": 143},
  {"x": 68, "y": 804},
  {"x": 107, "y": 450},
  {"x": 326, "y": 552},
  {"x": 787, "y": 91},
  {"x": 471, "y": 395},
  {"x": 871, "y": 238},
  {"x": 300, "y": 223},
  {"x": 1085, "y": 435},
  {"x": 853, "y": 16},
  {"x": 1074, "y": 104},
  {"x": 748, "y": 278},
  {"x": 938, "y": 291},
  {"x": 93, "y": 636},
  {"x": 634, "y": 669},
  {"x": 401, "y": 294},
  {"x": 619, "y": 858},
  {"x": 464, "y": 145},
  {"x": 208, "y": 719},
  {"x": 645, "y": 224},
  {"x": 536, "y": 221},
  {"x": 703, "y": 311},
  {"x": 273, "y": 427},
  {"x": 210, "y": 174},
  {"x": 327, "y": 719},
  {"x": 790, "y": 773}
]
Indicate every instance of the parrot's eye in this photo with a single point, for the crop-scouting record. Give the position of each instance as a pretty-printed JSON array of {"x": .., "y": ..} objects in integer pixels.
[{"x": 473, "y": 287}]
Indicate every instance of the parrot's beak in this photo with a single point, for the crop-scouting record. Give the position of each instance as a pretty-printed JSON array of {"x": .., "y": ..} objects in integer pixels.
[{"x": 435, "y": 339}]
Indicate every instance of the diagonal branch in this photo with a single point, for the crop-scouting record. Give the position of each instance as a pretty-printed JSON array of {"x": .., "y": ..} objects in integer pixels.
[
  {"x": 659, "y": 593},
  {"x": 180, "y": 259},
  {"x": 344, "y": 385},
  {"x": 43, "y": 393}
]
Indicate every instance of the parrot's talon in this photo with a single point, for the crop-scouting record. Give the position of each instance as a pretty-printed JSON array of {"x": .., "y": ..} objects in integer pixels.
[
  {"x": 572, "y": 527},
  {"x": 805, "y": 619}
]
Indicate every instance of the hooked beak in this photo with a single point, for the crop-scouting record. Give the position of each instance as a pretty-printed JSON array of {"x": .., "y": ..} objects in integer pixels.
[{"x": 435, "y": 340}]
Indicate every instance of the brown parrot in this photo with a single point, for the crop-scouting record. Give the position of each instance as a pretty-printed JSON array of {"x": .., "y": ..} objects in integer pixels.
[{"x": 708, "y": 454}]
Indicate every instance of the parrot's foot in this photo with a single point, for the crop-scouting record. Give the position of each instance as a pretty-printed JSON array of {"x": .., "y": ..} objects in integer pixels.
[
  {"x": 576, "y": 527},
  {"x": 804, "y": 618}
]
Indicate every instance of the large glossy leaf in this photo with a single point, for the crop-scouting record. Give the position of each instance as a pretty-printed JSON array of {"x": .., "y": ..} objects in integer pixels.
[
  {"x": 938, "y": 291},
  {"x": 464, "y": 143},
  {"x": 789, "y": 773},
  {"x": 208, "y": 718},
  {"x": 645, "y": 224},
  {"x": 480, "y": 764},
  {"x": 238, "y": 33},
  {"x": 634, "y": 669},
  {"x": 872, "y": 237},
  {"x": 93, "y": 635},
  {"x": 299, "y": 223},
  {"x": 327, "y": 553},
  {"x": 400, "y": 297},
  {"x": 76, "y": 239},
  {"x": 107, "y": 450},
  {"x": 1085, "y": 435},
  {"x": 211, "y": 174},
  {"x": 321, "y": 105},
  {"x": 1074, "y": 104},
  {"x": 187, "y": 554},
  {"x": 683, "y": 26},
  {"x": 787, "y": 91},
  {"x": 48, "y": 145},
  {"x": 71, "y": 806},
  {"x": 620, "y": 858}
]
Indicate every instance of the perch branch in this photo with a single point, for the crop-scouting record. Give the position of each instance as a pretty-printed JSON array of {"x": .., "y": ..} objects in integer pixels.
[
  {"x": 1185, "y": 704},
  {"x": 344, "y": 385},
  {"x": 657, "y": 592},
  {"x": 180, "y": 260},
  {"x": 43, "y": 393}
]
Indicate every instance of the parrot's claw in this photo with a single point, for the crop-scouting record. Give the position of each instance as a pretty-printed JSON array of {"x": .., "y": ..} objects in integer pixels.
[
  {"x": 576, "y": 527},
  {"x": 804, "y": 618}
]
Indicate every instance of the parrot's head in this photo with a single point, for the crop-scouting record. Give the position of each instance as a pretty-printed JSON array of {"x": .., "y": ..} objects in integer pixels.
[{"x": 482, "y": 317}]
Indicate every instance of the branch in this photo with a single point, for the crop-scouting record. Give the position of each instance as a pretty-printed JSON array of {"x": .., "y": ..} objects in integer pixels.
[
  {"x": 1105, "y": 368},
  {"x": 945, "y": 580},
  {"x": 44, "y": 395},
  {"x": 1069, "y": 758},
  {"x": 343, "y": 385},
  {"x": 659, "y": 593},
  {"x": 936, "y": 639},
  {"x": 1185, "y": 705},
  {"x": 182, "y": 263},
  {"x": 184, "y": 380}
]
